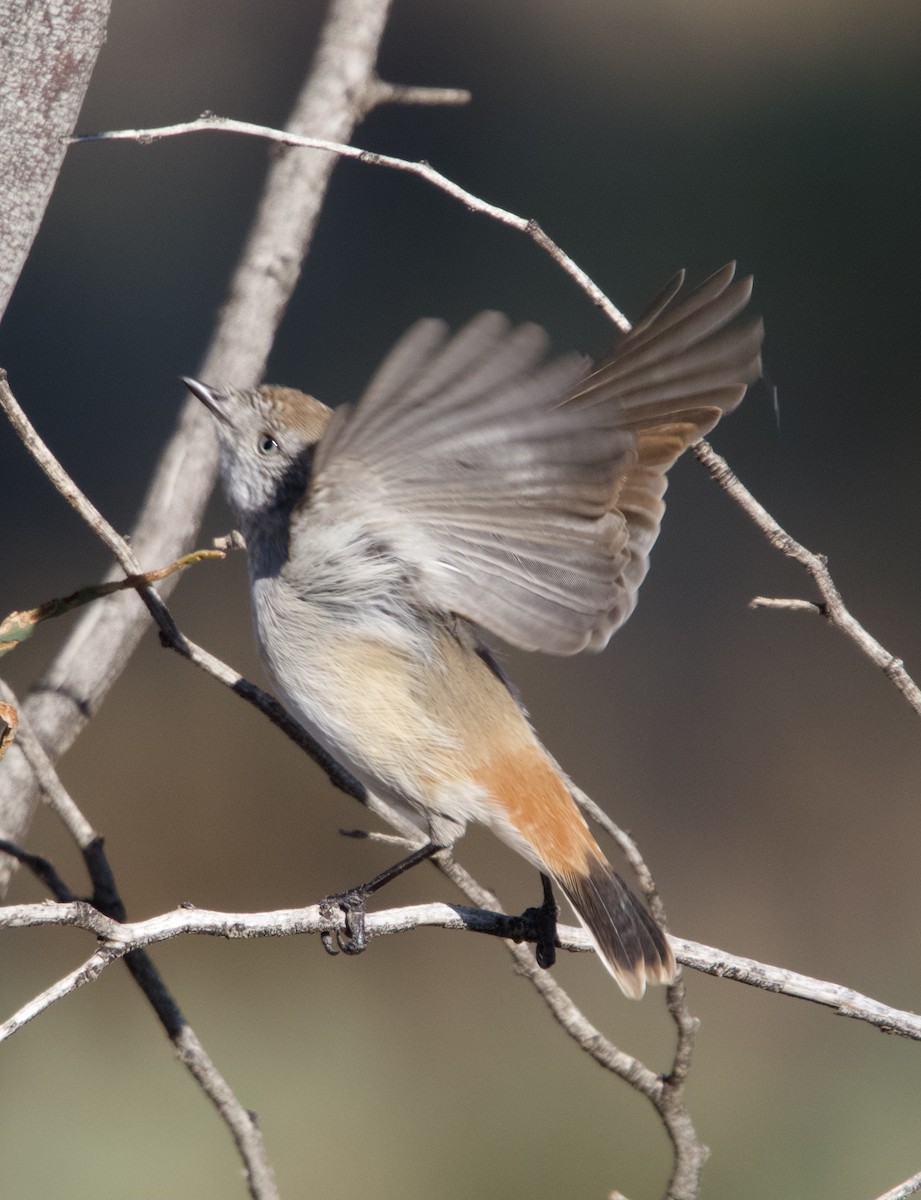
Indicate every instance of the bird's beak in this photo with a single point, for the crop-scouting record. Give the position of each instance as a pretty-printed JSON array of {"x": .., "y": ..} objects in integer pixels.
[{"x": 210, "y": 397}]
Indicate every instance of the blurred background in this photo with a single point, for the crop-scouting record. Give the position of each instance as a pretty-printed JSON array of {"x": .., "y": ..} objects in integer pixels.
[{"x": 769, "y": 772}]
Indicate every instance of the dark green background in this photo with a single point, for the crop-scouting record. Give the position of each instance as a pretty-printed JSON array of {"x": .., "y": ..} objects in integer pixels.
[{"x": 769, "y": 772}]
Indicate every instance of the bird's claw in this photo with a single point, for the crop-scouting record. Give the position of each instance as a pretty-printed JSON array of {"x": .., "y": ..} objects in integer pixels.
[
  {"x": 352, "y": 905},
  {"x": 539, "y": 924}
]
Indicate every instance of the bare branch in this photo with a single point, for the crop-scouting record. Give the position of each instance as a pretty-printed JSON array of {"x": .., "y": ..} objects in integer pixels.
[
  {"x": 845, "y": 1001},
  {"x": 108, "y": 905},
  {"x": 211, "y": 123},
  {"x": 241, "y": 1122},
  {"x": 832, "y": 607},
  {"x": 86, "y": 973},
  {"x": 690, "y": 1154},
  {"x": 909, "y": 1188},
  {"x": 122, "y": 937}
]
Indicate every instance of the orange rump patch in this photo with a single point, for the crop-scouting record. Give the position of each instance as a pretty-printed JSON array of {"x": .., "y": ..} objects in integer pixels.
[{"x": 537, "y": 803}]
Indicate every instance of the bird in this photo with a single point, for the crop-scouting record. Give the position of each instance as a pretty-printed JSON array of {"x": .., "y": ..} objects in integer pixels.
[{"x": 478, "y": 489}]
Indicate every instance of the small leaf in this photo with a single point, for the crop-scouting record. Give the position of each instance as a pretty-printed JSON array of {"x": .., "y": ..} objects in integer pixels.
[{"x": 18, "y": 626}]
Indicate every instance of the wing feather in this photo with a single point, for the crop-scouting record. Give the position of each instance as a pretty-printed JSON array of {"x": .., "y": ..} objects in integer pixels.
[{"x": 526, "y": 495}]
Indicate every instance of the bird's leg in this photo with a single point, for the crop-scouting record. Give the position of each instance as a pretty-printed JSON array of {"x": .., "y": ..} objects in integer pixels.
[
  {"x": 352, "y": 902},
  {"x": 542, "y": 921}
]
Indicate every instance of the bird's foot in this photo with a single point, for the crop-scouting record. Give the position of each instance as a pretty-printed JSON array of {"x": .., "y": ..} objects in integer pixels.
[
  {"x": 352, "y": 903},
  {"x": 353, "y": 940},
  {"x": 538, "y": 924}
]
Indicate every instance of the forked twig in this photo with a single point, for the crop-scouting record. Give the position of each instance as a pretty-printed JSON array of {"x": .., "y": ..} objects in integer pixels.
[{"x": 832, "y": 607}]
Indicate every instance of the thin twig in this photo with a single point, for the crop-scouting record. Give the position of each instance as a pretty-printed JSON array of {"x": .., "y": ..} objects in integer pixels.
[
  {"x": 381, "y": 92},
  {"x": 62, "y": 481},
  {"x": 784, "y": 604},
  {"x": 845, "y": 1001},
  {"x": 56, "y": 795},
  {"x": 18, "y": 626},
  {"x": 832, "y": 607},
  {"x": 124, "y": 555},
  {"x": 689, "y": 1152},
  {"x": 211, "y": 123},
  {"x": 86, "y": 973}
]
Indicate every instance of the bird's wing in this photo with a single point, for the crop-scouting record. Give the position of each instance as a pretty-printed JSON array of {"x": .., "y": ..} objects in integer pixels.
[{"x": 526, "y": 495}]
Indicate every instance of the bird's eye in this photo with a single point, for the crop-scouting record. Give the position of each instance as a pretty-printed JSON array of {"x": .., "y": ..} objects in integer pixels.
[{"x": 266, "y": 444}]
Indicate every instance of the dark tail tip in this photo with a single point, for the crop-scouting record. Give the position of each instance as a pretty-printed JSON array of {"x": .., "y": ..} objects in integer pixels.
[{"x": 631, "y": 945}]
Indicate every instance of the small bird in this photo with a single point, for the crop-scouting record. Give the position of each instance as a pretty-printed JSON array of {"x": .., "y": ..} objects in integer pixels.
[{"x": 475, "y": 488}]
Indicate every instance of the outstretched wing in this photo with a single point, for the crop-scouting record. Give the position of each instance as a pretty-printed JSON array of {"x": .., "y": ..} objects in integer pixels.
[{"x": 527, "y": 494}]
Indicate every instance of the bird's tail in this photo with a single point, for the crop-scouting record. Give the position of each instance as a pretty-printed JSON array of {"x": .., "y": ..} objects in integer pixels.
[
  {"x": 629, "y": 942},
  {"x": 535, "y": 812}
]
